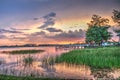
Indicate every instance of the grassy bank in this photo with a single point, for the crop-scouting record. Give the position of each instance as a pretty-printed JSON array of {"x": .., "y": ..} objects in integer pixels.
[
  {"x": 6, "y": 77},
  {"x": 24, "y": 51},
  {"x": 99, "y": 58}
]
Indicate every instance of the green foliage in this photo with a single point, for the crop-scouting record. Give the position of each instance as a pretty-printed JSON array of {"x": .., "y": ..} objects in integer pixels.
[
  {"x": 98, "y": 30},
  {"x": 28, "y": 61},
  {"x": 99, "y": 58},
  {"x": 97, "y": 34},
  {"x": 25, "y": 51}
]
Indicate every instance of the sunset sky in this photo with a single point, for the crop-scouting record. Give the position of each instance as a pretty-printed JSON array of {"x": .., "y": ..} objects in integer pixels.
[{"x": 50, "y": 21}]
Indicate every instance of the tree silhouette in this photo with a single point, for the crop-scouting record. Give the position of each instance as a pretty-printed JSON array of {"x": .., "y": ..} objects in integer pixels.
[
  {"x": 116, "y": 16},
  {"x": 98, "y": 21}
]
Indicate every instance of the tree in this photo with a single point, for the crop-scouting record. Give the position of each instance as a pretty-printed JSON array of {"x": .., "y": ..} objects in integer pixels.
[
  {"x": 98, "y": 21},
  {"x": 116, "y": 19},
  {"x": 98, "y": 30},
  {"x": 116, "y": 16}
]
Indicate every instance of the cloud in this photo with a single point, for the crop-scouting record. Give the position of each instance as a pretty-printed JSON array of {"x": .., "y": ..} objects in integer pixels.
[
  {"x": 43, "y": 37},
  {"x": 38, "y": 33},
  {"x": 16, "y": 38},
  {"x": 49, "y": 20},
  {"x": 2, "y": 36},
  {"x": 77, "y": 34},
  {"x": 18, "y": 29},
  {"x": 35, "y": 18},
  {"x": 50, "y": 15},
  {"x": 35, "y": 36},
  {"x": 9, "y": 31},
  {"x": 47, "y": 24},
  {"x": 10, "y": 37},
  {"x": 54, "y": 30}
]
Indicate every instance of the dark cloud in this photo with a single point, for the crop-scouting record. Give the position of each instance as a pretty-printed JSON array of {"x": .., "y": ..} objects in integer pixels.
[
  {"x": 36, "y": 37},
  {"x": 49, "y": 20},
  {"x": 77, "y": 34},
  {"x": 42, "y": 36},
  {"x": 54, "y": 30},
  {"x": 50, "y": 15},
  {"x": 38, "y": 33},
  {"x": 47, "y": 24},
  {"x": 18, "y": 29},
  {"x": 17, "y": 38},
  {"x": 35, "y": 18},
  {"x": 9, "y": 31},
  {"x": 30, "y": 37}
]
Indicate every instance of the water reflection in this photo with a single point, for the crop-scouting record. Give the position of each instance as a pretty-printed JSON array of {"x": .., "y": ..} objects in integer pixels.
[
  {"x": 14, "y": 63},
  {"x": 57, "y": 71},
  {"x": 73, "y": 71},
  {"x": 43, "y": 65},
  {"x": 49, "y": 51}
]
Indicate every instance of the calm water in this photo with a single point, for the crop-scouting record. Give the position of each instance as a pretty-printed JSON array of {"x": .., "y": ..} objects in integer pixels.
[
  {"x": 49, "y": 51},
  {"x": 13, "y": 64}
]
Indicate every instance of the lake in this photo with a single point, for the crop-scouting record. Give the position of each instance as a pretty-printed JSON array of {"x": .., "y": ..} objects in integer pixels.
[{"x": 13, "y": 64}]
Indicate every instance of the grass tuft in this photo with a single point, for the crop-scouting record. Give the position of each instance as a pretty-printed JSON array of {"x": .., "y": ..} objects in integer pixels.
[
  {"x": 25, "y": 51},
  {"x": 28, "y": 61}
]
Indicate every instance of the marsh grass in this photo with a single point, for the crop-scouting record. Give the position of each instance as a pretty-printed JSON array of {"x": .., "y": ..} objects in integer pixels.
[
  {"x": 28, "y": 61},
  {"x": 99, "y": 58},
  {"x": 2, "y": 61},
  {"x": 25, "y": 51}
]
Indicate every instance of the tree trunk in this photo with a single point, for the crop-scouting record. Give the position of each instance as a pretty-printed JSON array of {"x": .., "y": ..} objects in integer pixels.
[{"x": 100, "y": 43}]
